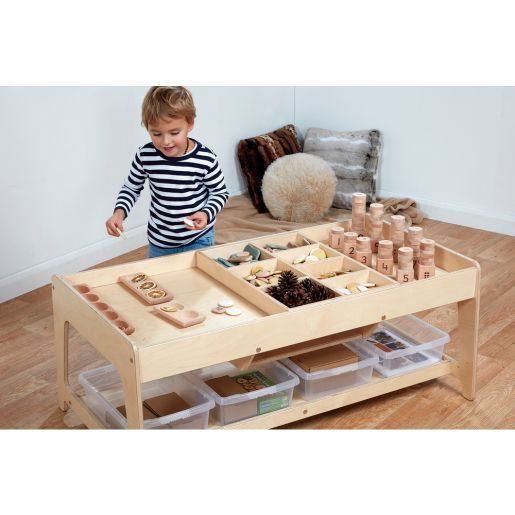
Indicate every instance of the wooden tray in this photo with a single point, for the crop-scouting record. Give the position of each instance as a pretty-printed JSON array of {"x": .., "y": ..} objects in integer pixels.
[{"x": 144, "y": 286}]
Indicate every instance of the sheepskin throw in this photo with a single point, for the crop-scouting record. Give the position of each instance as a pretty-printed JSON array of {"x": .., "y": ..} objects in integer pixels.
[
  {"x": 299, "y": 188},
  {"x": 256, "y": 154},
  {"x": 354, "y": 157}
]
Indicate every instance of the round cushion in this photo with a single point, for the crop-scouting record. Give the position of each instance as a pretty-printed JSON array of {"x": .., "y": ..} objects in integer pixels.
[{"x": 299, "y": 188}]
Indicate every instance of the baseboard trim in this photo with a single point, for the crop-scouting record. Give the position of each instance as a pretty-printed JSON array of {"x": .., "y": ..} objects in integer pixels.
[
  {"x": 41, "y": 274},
  {"x": 460, "y": 215}
]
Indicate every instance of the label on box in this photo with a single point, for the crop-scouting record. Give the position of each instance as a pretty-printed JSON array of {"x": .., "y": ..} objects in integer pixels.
[
  {"x": 386, "y": 342},
  {"x": 273, "y": 403},
  {"x": 251, "y": 381}
]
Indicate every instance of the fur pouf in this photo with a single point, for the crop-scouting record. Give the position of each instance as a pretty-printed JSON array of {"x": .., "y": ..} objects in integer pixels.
[{"x": 299, "y": 188}]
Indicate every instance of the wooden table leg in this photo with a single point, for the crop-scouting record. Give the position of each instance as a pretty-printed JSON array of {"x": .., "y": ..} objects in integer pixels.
[
  {"x": 61, "y": 331},
  {"x": 132, "y": 394},
  {"x": 468, "y": 316}
]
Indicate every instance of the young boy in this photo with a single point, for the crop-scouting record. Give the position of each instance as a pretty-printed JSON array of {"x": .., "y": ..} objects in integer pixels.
[{"x": 187, "y": 186}]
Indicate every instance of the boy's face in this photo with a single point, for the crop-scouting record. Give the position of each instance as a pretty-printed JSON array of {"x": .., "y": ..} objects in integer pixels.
[{"x": 170, "y": 136}]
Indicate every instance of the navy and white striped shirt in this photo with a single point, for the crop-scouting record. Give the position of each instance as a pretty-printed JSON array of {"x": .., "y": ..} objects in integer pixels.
[{"x": 179, "y": 187}]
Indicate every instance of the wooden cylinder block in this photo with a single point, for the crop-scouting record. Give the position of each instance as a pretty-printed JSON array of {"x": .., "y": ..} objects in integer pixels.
[
  {"x": 405, "y": 261},
  {"x": 376, "y": 211},
  {"x": 397, "y": 225},
  {"x": 336, "y": 237},
  {"x": 414, "y": 238},
  {"x": 363, "y": 244},
  {"x": 359, "y": 207},
  {"x": 385, "y": 249},
  {"x": 363, "y": 250},
  {"x": 349, "y": 243},
  {"x": 376, "y": 224},
  {"x": 405, "y": 272},
  {"x": 427, "y": 252},
  {"x": 384, "y": 262},
  {"x": 414, "y": 235}
]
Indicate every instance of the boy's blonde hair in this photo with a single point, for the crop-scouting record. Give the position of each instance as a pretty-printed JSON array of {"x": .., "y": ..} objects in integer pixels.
[{"x": 162, "y": 102}]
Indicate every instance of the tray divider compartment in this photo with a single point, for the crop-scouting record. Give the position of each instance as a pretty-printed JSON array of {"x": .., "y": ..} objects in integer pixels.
[
  {"x": 294, "y": 237},
  {"x": 238, "y": 285},
  {"x": 320, "y": 233}
]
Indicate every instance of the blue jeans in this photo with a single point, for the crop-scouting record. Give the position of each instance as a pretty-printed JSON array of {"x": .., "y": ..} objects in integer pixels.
[{"x": 204, "y": 241}]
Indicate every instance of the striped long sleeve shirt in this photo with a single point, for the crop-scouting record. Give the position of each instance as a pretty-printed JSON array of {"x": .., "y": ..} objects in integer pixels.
[{"x": 179, "y": 187}]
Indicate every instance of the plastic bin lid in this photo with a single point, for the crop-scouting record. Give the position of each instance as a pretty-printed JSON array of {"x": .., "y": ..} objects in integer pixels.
[
  {"x": 416, "y": 334},
  {"x": 199, "y": 377},
  {"x": 99, "y": 379},
  {"x": 366, "y": 359}
]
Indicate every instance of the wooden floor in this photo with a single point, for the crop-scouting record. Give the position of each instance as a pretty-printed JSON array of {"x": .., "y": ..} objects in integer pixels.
[{"x": 28, "y": 397}]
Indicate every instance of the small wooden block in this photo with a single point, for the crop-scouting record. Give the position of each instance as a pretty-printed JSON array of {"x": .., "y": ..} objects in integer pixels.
[
  {"x": 225, "y": 386},
  {"x": 405, "y": 276},
  {"x": 384, "y": 266},
  {"x": 424, "y": 271},
  {"x": 365, "y": 258},
  {"x": 184, "y": 317},
  {"x": 325, "y": 359},
  {"x": 127, "y": 280},
  {"x": 166, "y": 404}
]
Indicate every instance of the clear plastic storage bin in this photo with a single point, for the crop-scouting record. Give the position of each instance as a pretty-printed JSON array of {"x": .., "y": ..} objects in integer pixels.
[
  {"x": 406, "y": 343},
  {"x": 324, "y": 382},
  {"x": 246, "y": 405},
  {"x": 104, "y": 394}
]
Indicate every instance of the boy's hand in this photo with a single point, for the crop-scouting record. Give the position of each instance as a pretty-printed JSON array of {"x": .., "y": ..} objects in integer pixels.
[
  {"x": 199, "y": 219},
  {"x": 115, "y": 222}
]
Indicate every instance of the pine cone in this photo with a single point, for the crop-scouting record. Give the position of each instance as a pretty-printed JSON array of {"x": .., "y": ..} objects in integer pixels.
[
  {"x": 317, "y": 291},
  {"x": 274, "y": 292},
  {"x": 287, "y": 281},
  {"x": 296, "y": 297}
]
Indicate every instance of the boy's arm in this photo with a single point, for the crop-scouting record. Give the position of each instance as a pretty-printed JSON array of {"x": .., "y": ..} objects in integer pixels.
[
  {"x": 218, "y": 194},
  {"x": 132, "y": 187}
]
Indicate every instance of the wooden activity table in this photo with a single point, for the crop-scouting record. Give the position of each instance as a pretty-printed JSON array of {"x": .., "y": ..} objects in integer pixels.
[{"x": 266, "y": 330}]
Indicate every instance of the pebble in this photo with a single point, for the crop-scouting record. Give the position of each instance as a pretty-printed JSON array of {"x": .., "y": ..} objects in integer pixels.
[
  {"x": 319, "y": 253},
  {"x": 275, "y": 246},
  {"x": 263, "y": 274},
  {"x": 225, "y": 303},
  {"x": 219, "y": 310},
  {"x": 361, "y": 287},
  {"x": 253, "y": 251},
  {"x": 234, "y": 312},
  {"x": 344, "y": 291},
  {"x": 353, "y": 288},
  {"x": 169, "y": 309},
  {"x": 250, "y": 277},
  {"x": 369, "y": 285},
  {"x": 299, "y": 259}
]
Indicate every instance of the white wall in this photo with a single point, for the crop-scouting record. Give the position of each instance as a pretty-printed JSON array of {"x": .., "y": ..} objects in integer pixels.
[
  {"x": 450, "y": 148},
  {"x": 65, "y": 152}
]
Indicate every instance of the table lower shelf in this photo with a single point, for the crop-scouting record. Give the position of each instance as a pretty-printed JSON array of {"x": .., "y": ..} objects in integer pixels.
[{"x": 301, "y": 409}]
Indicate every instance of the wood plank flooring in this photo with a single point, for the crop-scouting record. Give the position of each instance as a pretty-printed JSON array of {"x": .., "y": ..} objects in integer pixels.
[{"x": 28, "y": 393}]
